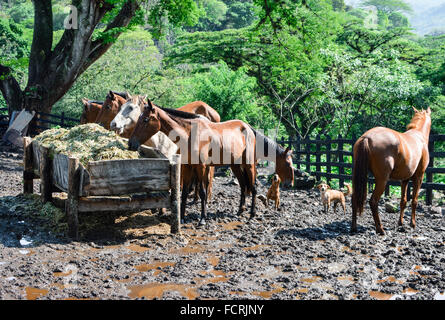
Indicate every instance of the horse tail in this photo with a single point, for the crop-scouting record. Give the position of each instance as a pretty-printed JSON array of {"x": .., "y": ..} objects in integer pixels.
[
  {"x": 349, "y": 188},
  {"x": 360, "y": 175}
]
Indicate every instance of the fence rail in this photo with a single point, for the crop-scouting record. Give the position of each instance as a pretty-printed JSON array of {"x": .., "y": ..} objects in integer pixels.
[
  {"x": 41, "y": 121},
  {"x": 335, "y": 157}
]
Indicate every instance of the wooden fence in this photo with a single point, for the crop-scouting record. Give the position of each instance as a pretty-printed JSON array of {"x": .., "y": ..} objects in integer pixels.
[
  {"x": 337, "y": 162},
  {"x": 45, "y": 120}
]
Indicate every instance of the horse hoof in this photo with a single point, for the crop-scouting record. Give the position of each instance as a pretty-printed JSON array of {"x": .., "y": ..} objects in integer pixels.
[
  {"x": 182, "y": 221},
  {"x": 202, "y": 222},
  {"x": 380, "y": 232}
]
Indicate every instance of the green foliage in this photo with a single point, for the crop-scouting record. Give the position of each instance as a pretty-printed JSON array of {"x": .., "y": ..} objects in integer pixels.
[
  {"x": 389, "y": 6},
  {"x": 231, "y": 93}
]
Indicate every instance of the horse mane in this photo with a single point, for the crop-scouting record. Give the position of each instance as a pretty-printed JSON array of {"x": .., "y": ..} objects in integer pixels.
[
  {"x": 180, "y": 114},
  {"x": 121, "y": 94},
  {"x": 95, "y": 101},
  {"x": 415, "y": 121},
  {"x": 269, "y": 142}
]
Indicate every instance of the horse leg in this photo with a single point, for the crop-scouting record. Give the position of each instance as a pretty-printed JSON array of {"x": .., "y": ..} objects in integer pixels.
[
  {"x": 187, "y": 183},
  {"x": 251, "y": 184},
  {"x": 203, "y": 185},
  {"x": 374, "y": 204},
  {"x": 417, "y": 182},
  {"x": 403, "y": 200},
  {"x": 236, "y": 169}
]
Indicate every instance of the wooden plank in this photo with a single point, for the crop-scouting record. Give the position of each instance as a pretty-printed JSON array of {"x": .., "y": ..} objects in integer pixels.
[
  {"x": 18, "y": 128},
  {"x": 130, "y": 203},
  {"x": 175, "y": 181},
  {"x": 71, "y": 205},
  {"x": 45, "y": 174},
  {"x": 35, "y": 155},
  {"x": 116, "y": 177},
  {"x": 28, "y": 174},
  {"x": 60, "y": 171}
]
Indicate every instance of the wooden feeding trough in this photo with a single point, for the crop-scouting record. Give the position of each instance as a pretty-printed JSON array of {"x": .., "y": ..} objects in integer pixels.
[{"x": 129, "y": 185}]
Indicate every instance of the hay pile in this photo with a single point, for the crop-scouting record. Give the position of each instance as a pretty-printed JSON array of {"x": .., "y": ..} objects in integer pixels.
[{"x": 88, "y": 142}]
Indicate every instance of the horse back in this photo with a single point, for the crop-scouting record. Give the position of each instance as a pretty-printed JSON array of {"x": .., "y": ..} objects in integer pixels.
[{"x": 393, "y": 154}]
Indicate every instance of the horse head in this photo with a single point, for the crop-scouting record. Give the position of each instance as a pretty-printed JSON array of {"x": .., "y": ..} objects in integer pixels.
[
  {"x": 111, "y": 106},
  {"x": 284, "y": 167},
  {"x": 128, "y": 115},
  {"x": 148, "y": 124},
  {"x": 421, "y": 121},
  {"x": 90, "y": 111}
]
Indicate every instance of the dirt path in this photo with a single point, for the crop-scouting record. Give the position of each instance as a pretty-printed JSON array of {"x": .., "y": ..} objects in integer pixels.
[{"x": 296, "y": 253}]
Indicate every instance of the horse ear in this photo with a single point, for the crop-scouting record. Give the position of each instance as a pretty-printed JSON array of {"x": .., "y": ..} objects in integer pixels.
[
  {"x": 142, "y": 99},
  {"x": 415, "y": 110},
  {"x": 85, "y": 101},
  {"x": 428, "y": 110},
  {"x": 111, "y": 94},
  {"x": 129, "y": 96},
  {"x": 148, "y": 106}
]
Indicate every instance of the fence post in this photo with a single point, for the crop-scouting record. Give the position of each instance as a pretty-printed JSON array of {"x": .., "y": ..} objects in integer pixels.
[
  {"x": 308, "y": 155},
  {"x": 328, "y": 159},
  {"x": 318, "y": 157},
  {"x": 297, "y": 151},
  {"x": 341, "y": 168},
  {"x": 429, "y": 174}
]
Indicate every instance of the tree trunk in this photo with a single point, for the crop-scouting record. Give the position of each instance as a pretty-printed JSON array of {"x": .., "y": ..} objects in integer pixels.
[{"x": 52, "y": 72}]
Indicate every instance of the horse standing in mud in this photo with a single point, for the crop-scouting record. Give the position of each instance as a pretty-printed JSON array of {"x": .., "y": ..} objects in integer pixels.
[
  {"x": 203, "y": 143},
  {"x": 125, "y": 121},
  {"x": 91, "y": 109},
  {"x": 390, "y": 155}
]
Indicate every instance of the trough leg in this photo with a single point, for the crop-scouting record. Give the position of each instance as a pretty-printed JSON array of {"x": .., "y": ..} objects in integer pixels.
[
  {"x": 71, "y": 206},
  {"x": 45, "y": 175},
  {"x": 28, "y": 174},
  {"x": 175, "y": 182}
]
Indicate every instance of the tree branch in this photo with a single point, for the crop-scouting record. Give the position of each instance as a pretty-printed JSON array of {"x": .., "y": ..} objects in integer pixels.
[{"x": 10, "y": 89}]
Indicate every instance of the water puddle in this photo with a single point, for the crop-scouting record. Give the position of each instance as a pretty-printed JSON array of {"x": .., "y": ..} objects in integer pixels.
[
  {"x": 213, "y": 260},
  {"x": 192, "y": 249},
  {"x": 311, "y": 279},
  {"x": 391, "y": 279},
  {"x": 156, "y": 290},
  {"x": 35, "y": 293},
  {"x": 158, "y": 266},
  {"x": 137, "y": 248},
  {"x": 24, "y": 241},
  {"x": 346, "y": 280},
  {"x": 256, "y": 247},
  {"x": 268, "y": 294},
  {"x": 63, "y": 274},
  {"x": 439, "y": 296},
  {"x": 231, "y": 225},
  {"x": 380, "y": 295}
]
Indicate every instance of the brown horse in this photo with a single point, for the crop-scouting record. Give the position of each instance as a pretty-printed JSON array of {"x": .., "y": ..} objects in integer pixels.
[
  {"x": 113, "y": 102},
  {"x": 203, "y": 143},
  {"x": 390, "y": 155},
  {"x": 91, "y": 109}
]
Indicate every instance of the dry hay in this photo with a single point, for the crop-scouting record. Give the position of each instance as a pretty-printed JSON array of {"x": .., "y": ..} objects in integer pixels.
[{"x": 88, "y": 142}]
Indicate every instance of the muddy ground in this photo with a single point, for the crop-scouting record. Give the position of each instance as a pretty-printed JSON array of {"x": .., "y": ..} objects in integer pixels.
[{"x": 298, "y": 252}]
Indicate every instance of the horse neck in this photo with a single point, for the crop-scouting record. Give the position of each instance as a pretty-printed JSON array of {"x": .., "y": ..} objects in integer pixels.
[
  {"x": 424, "y": 128},
  {"x": 169, "y": 123}
]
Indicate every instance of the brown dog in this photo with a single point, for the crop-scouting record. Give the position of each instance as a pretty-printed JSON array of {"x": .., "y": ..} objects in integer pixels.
[
  {"x": 274, "y": 191},
  {"x": 328, "y": 195}
]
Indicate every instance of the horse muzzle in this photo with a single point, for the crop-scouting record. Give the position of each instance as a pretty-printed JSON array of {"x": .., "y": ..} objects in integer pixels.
[{"x": 133, "y": 144}]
